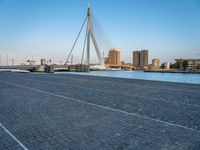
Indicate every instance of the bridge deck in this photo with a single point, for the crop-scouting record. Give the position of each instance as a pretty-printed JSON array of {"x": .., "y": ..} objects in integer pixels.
[{"x": 49, "y": 111}]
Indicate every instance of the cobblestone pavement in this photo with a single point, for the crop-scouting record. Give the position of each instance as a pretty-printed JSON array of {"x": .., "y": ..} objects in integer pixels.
[{"x": 54, "y": 111}]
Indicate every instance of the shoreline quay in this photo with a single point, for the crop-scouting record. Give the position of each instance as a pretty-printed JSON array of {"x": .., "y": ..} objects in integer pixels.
[{"x": 173, "y": 71}]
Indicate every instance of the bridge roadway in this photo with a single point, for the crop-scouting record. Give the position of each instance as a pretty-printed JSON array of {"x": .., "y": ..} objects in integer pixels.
[
  {"x": 54, "y": 111},
  {"x": 21, "y": 67}
]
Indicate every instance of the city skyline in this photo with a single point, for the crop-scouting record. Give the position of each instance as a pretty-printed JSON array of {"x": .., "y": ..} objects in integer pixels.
[{"x": 47, "y": 29}]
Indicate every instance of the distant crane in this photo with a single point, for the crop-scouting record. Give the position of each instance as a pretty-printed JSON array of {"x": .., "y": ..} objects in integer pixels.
[{"x": 31, "y": 62}]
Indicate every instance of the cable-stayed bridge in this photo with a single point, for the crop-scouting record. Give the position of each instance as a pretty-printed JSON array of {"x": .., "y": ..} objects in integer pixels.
[
  {"x": 94, "y": 37},
  {"x": 90, "y": 38}
]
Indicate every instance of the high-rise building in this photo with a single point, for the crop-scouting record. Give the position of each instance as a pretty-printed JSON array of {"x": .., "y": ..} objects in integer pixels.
[
  {"x": 114, "y": 57},
  {"x": 140, "y": 58},
  {"x": 155, "y": 64},
  {"x": 143, "y": 58},
  {"x": 136, "y": 58}
]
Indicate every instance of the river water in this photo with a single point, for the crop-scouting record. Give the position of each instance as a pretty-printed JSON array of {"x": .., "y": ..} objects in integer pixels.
[{"x": 171, "y": 77}]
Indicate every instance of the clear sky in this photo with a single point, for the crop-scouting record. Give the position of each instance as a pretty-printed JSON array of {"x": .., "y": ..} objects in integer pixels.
[{"x": 34, "y": 29}]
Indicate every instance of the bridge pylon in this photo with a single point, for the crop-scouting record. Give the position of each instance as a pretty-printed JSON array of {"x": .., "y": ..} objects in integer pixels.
[{"x": 90, "y": 36}]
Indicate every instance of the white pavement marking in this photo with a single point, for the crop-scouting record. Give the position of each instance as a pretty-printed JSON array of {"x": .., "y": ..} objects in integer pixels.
[
  {"x": 104, "y": 107},
  {"x": 9, "y": 133},
  {"x": 171, "y": 89},
  {"x": 106, "y": 91}
]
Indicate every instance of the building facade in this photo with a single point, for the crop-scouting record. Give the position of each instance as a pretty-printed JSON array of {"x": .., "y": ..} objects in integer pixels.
[
  {"x": 192, "y": 64},
  {"x": 144, "y": 58},
  {"x": 155, "y": 64},
  {"x": 140, "y": 59},
  {"x": 114, "y": 57},
  {"x": 136, "y": 58}
]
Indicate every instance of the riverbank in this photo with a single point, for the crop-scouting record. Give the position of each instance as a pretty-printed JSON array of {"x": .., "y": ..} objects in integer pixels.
[
  {"x": 173, "y": 71},
  {"x": 155, "y": 76}
]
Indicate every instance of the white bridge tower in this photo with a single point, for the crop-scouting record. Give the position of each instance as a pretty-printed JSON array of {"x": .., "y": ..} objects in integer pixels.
[
  {"x": 88, "y": 38},
  {"x": 90, "y": 35}
]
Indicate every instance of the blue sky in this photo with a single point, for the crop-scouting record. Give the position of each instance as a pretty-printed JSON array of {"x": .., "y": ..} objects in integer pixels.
[{"x": 34, "y": 29}]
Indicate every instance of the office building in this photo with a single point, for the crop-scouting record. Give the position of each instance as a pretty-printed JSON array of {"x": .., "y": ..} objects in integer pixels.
[
  {"x": 136, "y": 58},
  {"x": 140, "y": 59},
  {"x": 114, "y": 57},
  {"x": 155, "y": 64},
  {"x": 144, "y": 58}
]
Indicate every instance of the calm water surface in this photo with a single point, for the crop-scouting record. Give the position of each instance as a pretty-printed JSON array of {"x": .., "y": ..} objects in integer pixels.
[{"x": 172, "y": 77}]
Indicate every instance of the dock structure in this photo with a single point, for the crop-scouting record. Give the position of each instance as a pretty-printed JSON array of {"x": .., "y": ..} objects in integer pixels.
[
  {"x": 63, "y": 111},
  {"x": 121, "y": 66}
]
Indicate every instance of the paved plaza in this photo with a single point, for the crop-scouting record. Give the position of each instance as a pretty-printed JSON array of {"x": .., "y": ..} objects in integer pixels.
[{"x": 63, "y": 111}]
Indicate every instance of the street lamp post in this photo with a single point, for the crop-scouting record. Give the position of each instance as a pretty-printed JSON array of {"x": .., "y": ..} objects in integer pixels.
[
  {"x": 7, "y": 59},
  {"x": 0, "y": 60},
  {"x": 12, "y": 62}
]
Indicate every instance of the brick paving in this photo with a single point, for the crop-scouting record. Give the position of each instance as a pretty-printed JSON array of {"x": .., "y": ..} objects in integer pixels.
[{"x": 53, "y": 111}]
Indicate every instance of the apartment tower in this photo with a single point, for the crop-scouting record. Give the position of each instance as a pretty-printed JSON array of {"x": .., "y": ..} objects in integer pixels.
[
  {"x": 143, "y": 58},
  {"x": 136, "y": 58},
  {"x": 114, "y": 57},
  {"x": 140, "y": 59}
]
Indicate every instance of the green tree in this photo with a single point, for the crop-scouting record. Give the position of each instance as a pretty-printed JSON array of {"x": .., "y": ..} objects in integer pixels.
[
  {"x": 177, "y": 65},
  {"x": 162, "y": 66},
  {"x": 198, "y": 67},
  {"x": 173, "y": 66},
  {"x": 185, "y": 64}
]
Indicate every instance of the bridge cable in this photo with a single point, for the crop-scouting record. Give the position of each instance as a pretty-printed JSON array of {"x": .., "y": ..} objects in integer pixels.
[
  {"x": 101, "y": 35},
  {"x": 76, "y": 40},
  {"x": 84, "y": 46}
]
